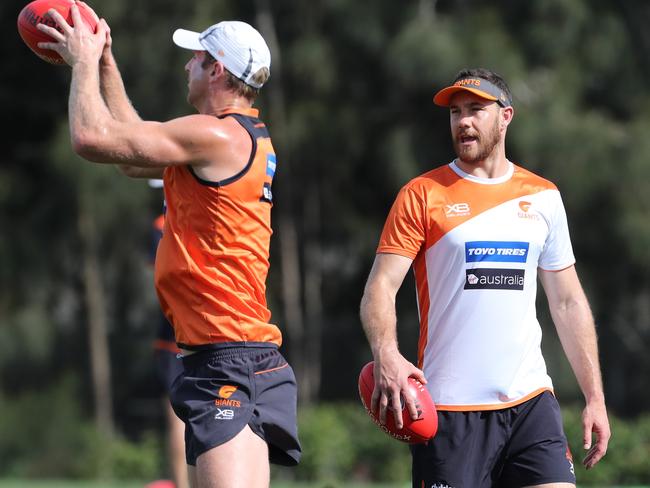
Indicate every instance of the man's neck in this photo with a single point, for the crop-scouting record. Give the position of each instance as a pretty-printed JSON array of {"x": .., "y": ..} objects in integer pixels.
[
  {"x": 494, "y": 166},
  {"x": 221, "y": 103}
]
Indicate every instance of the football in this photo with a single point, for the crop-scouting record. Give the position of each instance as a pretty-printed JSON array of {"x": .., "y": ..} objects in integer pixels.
[
  {"x": 34, "y": 13},
  {"x": 416, "y": 431}
]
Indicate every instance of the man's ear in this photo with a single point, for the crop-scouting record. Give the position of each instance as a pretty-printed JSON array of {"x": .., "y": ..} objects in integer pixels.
[
  {"x": 216, "y": 69},
  {"x": 507, "y": 113}
]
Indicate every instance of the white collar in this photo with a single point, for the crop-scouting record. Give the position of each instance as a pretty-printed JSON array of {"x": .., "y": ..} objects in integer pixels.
[{"x": 483, "y": 181}]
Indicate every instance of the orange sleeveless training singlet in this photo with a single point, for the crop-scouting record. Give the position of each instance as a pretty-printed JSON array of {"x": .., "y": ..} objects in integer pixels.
[{"x": 213, "y": 258}]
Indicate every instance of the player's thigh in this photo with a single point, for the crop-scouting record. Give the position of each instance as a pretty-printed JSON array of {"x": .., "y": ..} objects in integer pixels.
[{"x": 242, "y": 462}]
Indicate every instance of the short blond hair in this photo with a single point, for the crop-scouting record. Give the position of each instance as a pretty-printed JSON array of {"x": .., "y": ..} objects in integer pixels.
[{"x": 240, "y": 87}]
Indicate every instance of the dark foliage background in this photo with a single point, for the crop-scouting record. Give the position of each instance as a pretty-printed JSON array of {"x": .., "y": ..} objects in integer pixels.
[{"x": 349, "y": 106}]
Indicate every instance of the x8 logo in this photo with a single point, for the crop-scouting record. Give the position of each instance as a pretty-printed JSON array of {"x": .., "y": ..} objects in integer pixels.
[{"x": 457, "y": 209}]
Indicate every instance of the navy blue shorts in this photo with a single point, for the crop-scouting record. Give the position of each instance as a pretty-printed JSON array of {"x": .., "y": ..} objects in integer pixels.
[
  {"x": 518, "y": 446},
  {"x": 224, "y": 389},
  {"x": 168, "y": 364},
  {"x": 168, "y": 367}
]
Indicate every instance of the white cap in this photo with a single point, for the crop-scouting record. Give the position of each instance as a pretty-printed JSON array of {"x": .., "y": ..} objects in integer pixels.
[{"x": 237, "y": 45}]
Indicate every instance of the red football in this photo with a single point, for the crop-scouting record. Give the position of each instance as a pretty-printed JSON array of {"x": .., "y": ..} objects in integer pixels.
[
  {"x": 414, "y": 431},
  {"x": 34, "y": 13}
]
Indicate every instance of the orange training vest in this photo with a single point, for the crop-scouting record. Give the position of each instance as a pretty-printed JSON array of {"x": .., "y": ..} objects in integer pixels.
[{"x": 213, "y": 258}]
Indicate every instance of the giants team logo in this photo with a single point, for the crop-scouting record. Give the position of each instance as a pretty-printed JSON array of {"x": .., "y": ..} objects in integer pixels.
[
  {"x": 224, "y": 400},
  {"x": 494, "y": 279},
  {"x": 496, "y": 251},
  {"x": 226, "y": 391},
  {"x": 525, "y": 211}
]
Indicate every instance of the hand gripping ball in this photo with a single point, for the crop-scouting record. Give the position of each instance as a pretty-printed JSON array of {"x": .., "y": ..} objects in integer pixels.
[
  {"x": 416, "y": 431},
  {"x": 34, "y": 13}
]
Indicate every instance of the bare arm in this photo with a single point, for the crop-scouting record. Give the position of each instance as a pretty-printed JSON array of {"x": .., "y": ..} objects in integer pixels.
[
  {"x": 119, "y": 105},
  {"x": 97, "y": 136},
  {"x": 117, "y": 101},
  {"x": 111, "y": 83},
  {"x": 380, "y": 325},
  {"x": 575, "y": 326},
  {"x": 138, "y": 172},
  {"x": 112, "y": 87}
]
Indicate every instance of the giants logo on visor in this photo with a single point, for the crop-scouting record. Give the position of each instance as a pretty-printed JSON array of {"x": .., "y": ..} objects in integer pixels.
[
  {"x": 469, "y": 81},
  {"x": 479, "y": 86},
  {"x": 486, "y": 87}
]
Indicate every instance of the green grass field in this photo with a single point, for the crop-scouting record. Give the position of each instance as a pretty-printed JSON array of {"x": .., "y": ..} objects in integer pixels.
[
  {"x": 126, "y": 484},
  {"x": 137, "y": 484}
]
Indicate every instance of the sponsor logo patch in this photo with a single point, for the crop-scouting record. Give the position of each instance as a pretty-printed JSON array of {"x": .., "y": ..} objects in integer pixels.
[
  {"x": 271, "y": 163},
  {"x": 494, "y": 279},
  {"x": 496, "y": 251},
  {"x": 457, "y": 210},
  {"x": 267, "y": 194},
  {"x": 224, "y": 414}
]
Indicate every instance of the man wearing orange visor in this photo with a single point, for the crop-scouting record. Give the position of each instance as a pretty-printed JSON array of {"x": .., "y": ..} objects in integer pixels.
[{"x": 477, "y": 233}]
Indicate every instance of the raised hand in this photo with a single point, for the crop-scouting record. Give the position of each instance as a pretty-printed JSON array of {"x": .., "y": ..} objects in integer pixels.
[{"x": 74, "y": 43}]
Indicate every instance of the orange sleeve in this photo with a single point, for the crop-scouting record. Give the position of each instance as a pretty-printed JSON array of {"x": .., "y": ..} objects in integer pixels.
[{"x": 404, "y": 230}]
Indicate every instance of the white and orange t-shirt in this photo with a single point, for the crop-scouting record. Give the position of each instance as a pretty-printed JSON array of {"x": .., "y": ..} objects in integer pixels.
[
  {"x": 476, "y": 245},
  {"x": 213, "y": 258}
]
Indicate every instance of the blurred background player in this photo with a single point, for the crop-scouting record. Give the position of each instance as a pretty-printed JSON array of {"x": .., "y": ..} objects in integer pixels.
[{"x": 168, "y": 367}]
